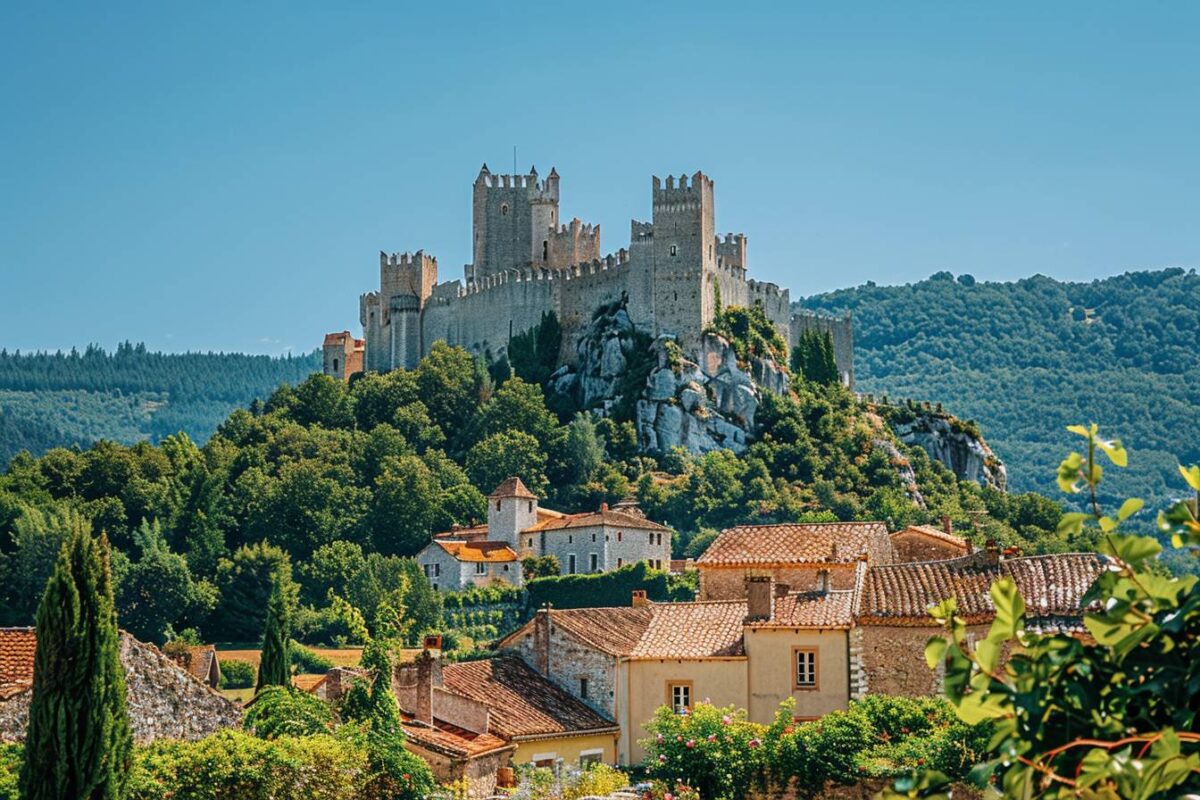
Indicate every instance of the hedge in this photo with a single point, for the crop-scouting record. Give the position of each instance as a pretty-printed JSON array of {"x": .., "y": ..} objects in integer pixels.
[{"x": 604, "y": 589}]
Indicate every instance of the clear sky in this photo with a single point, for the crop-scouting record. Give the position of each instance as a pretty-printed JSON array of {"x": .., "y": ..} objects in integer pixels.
[{"x": 223, "y": 175}]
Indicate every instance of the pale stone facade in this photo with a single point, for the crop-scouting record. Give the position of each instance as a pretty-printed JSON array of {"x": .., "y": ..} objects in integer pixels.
[{"x": 673, "y": 276}]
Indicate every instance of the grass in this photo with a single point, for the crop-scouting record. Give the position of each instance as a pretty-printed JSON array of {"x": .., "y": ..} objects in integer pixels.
[{"x": 340, "y": 656}]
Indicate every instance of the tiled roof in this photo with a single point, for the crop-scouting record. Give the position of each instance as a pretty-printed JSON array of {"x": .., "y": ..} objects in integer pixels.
[
  {"x": 472, "y": 534},
  {"x": 799, "y": 543},
  {"x": 521, "y": 702},
  {"x": 935, "y": 533},
  {"x": 834, "y": 609},
  {"x": 197, "y": 660},
  {"x": 307, "y": 683},
  {"x": 615, "y": 631},
  {"x": 590, "y": 519},
  {"x": 1051, "y": 585},
  {"x": 451, "y": 740},
  {"x": 693, "y": 630},
  {"x": 337, "y": 338},
  {"x": 17, "y": 646},
  {"x": 513, "y": 487},
  {"x": 478, "y": 552}
]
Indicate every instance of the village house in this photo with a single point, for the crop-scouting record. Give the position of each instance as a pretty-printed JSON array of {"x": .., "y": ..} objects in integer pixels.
[
  {"x": 927, "y": 543},
  {"x": 200, "y": 661},
  {"x": 517, "y": 528},
  {"x": 802, "y": 556},
  {"x": 164, "y": 700},
  {"x": 752, "y": 653}
]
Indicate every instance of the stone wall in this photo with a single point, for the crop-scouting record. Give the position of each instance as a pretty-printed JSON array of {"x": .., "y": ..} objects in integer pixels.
[
  {"x": 910, "y": 546},
  {"x": 893, "y": 659},
  {"x": 564, "y": 659},
  {"x": 840, "y": 329},
  {"x": 164, "y": 701},
  {"x": 728, "y": 583}
]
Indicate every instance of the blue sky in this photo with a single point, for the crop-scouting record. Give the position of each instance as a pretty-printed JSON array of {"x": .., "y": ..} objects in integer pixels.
[{"x": 222, "y": 176}]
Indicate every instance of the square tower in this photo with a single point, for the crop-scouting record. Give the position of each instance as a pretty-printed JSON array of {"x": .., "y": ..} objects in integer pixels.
[
  {"x": 511, "y": 509},
  {"x": 685, "y": 257},
  {"x": 512, "y": 216}
]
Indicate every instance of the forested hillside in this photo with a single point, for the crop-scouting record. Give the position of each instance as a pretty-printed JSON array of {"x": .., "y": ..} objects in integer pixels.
[
  {"x": 1026, "y": 359},
  {"x": 59, "y": 399}
]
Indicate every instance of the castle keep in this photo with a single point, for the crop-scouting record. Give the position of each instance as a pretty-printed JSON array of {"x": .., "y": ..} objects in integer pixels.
[{"x": 527, "y": 261}]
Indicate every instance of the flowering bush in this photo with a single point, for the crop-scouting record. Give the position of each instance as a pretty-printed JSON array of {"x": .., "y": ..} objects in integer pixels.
[{"x": 716, "y": 751}]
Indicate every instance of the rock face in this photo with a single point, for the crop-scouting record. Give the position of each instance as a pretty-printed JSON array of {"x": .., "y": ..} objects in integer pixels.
[
  {"x": 945, "y": 440},
  {"x": 703, "y": 404},
  {"x": 164, "y": 701}
]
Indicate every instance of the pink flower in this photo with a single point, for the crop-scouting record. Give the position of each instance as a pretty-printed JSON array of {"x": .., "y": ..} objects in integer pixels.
[
  {"x": 726, "y": 720},
  {"x": 754, "y": 743},
  {"x": 668, "y": 796},
  {"x": 712, "y": 737},
  {"x": 658, "y": 737},
  {"x": 662, "y": 759},
  {"x": 691, "y": 742},
  {"x": 679, "y": 738}
]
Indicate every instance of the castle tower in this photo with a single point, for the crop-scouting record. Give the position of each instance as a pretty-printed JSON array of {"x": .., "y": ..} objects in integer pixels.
[
  {"x": 685, "y": 259},
  {"x": 512, "y": 219},
  {"x": 391, "y": 317}
]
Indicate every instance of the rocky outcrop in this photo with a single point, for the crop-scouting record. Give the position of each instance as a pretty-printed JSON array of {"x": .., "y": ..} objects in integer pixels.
[
  {"x": 164, "y": 701},
  {"x": 703, "y": 405},
  {"x": 948, "y": 441},
  {"x": 700, "y": 401}
]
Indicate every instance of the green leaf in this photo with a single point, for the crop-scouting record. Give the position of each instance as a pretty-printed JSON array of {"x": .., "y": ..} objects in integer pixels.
[
  {"x": 1070, "y": 473},
  {"x": 1072, "y": 523},
  {"x": 935, "y": 651},
  {"x": 1114, "y": 450},
  {"x": 1129, "y": 508},
  {"x": 1082, "y": 430},
  {"x": 1191, "y": 475},
  {"x": 1010, "y": 611},
  {"x": 1133, "y": 550},
  {"x": 1108, "y": 524}
]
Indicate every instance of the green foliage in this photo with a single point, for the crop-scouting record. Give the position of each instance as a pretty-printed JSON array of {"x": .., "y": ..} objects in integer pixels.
[
  {"x": 78, "y": 740},
  {"x": 534, "y": 353},
  {"x": 1112, "y": 717},
  {"x": 307, "y": 662},
  {"x": 598, "y": 590},
  {"x": 812, "y": 358},
  {"x": 37, "y": 538},
  {"x": 1024, "y": 357},
  {"x": 236, "y": 674},
  {"x": 157, "y": 591},
  {"x": 50, "y": 400},
  {"x": 715, "y": 751},
  {"x": 540, "y": 567},
  {"x": 751, "y": 333},
  {"x": 287, "y": 711},
  {"x": 245, "y": 583},
  {"x": 511, "y": 452},
  {"x": 274, "y": 667}
]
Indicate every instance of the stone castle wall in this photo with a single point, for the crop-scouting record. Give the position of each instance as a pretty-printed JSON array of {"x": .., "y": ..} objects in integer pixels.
[{"x": 842, "y": 331}]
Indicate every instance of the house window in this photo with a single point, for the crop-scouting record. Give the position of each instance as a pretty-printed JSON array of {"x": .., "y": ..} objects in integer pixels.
[
  {"x": 594, "y": 562},
  {"x": 529, "y": 543},
  {"x": 652, "y": 538},
  {"x": 437, "y": 570},
  {"x": 571, "y": 564},
  {"x": 530, "y": 506},
  {"x": 497, "y": 505},
  {"x": 679, "y": 695},
  {"x": 506, "y": 567},
  {"x": 545, "y": 250},
  {"x": 480, "y": 568},
  {"x": 583, "y": 688},
  {"x": 589, "y": 757},
  {"x": 806, "y": 667},
  {"x": 620, "y": 563},
  {"x": 428, "y": 570},
  {"x": 618, "y": 536},
  {"x": 593, "y": 537}
]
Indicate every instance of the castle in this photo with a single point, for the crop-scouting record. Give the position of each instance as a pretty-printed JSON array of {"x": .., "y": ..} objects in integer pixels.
[{"x": 673, "y": 277}]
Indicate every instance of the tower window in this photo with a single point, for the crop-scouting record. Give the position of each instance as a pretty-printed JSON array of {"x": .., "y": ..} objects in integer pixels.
[
  {"x": 672, "y": 251},
  {"x": 504, "y": 209},
  {"x": 335, "y": 365},
  {"x": 545, "y": 250}
]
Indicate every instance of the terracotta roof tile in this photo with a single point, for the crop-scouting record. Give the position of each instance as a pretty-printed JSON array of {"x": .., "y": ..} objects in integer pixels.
[
  {"x": 615, "y": 631},
  {"x": 307, "y": 683},
  {"x": 799, "y": 543},
  {"x": 513, "y": 487},
  {"x": 521, "y": 702},
  {"x": 451, "y": 740},
  {"x": 478, "y": 552},
  {"x": 590, "y": 519},
  {"x": 337, "y": 338},
  {"x": 935, "y": 533},
  {"x": 196, "y": 659},
  {"x": 1051, "y": 585},
  {"x": 17, "y": 646},
  {"x": 834, "y": 609},
  {"x": 693, "y": 630},
  {"x": 473, "y": 534}
]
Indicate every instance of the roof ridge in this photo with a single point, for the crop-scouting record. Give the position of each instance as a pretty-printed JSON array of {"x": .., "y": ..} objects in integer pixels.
[{"x": 811, "y": 524}]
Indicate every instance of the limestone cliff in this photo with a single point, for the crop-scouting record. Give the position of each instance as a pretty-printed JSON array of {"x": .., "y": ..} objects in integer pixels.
[
  {"x": 700, "y": 401},
  {"x": 951, "y": 442}
]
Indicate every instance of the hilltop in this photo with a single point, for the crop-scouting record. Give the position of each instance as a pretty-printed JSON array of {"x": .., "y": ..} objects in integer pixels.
[
  {"x": 1025, "y": 359},
  {"x": 129, "y": 395}
]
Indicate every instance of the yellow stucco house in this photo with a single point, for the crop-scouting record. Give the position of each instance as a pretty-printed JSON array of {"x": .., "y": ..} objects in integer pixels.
[{"x": 752, "y": 653}]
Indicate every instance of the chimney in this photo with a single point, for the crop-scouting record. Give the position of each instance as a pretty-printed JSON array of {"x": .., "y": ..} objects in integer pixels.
[
  {"x": 991, "y": 552},
  {"x": 947, "y": 526},
  {"x": 603, "y": 507},
  {"x": 759, "y": 598},
  {"x": 333, "y": 685},
  {"x": 433, "y": 645},
  {"x": 823, "y": 581},
  {"x": 639, "y": 598},
  {"x": 413, "y": 685},
  {"x": 782, "y": 589},
  {"x": 541, "y": 640}
]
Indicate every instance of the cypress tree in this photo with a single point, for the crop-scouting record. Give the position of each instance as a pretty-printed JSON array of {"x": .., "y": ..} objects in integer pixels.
[
  {"x": 78, "y": 744},
  {"x": 274, "y": 668}
]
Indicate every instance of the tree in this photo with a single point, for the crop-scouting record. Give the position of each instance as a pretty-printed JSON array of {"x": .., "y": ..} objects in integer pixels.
[
  {"x": 504, "y": 454},
  {"x": 274, "y": 668},
  {"x": 78, "y": 743},
  {"x": 451, "y": 384},
  {"x": 158, "y": 592},
  {"x": 245, "y": 582},
  {"x": 405, "y": 505},
  {"x": 37, "y": 538},
  {"x": 1112, "y": 717}
]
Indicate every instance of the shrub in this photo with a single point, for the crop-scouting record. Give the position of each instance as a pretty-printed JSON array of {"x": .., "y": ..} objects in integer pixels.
[
  {"x": 10, "y": 770},
  {"x": 285, "y": 711},
  {"x": 602, "y": 589},
  {"x": 237, "y": 674},
  {"x": 308, "y": 662},
  {"x": 717, "y": 751}
]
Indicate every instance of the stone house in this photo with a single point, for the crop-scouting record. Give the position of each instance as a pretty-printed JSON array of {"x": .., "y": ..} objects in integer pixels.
[
  {"x": 752, "y": 653},
  {"x": 893, "y": 622},
  {"x": 200, "y": 661},
  {"x": 926, "y": 543},
  {"x": 164, "y": 700},
  {"x": 517, "y": 527},
  {"x": 342, "y": 355},
  {"x": 803, "y": 556}
]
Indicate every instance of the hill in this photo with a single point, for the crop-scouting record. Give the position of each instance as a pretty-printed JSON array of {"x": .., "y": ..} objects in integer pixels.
[
  {"x": 60, "y": 399},
  {"x": 1027, "y": 358}
]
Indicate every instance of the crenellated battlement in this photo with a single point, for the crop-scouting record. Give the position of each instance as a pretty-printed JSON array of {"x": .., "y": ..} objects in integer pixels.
[
  {"x": 578, "y": 228},
  {"x": 685, "y": 191},
  {"x": 546, "y": 190},
  {"x": 640, "y": 230},
  {"x": 417, "y": 259}
]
